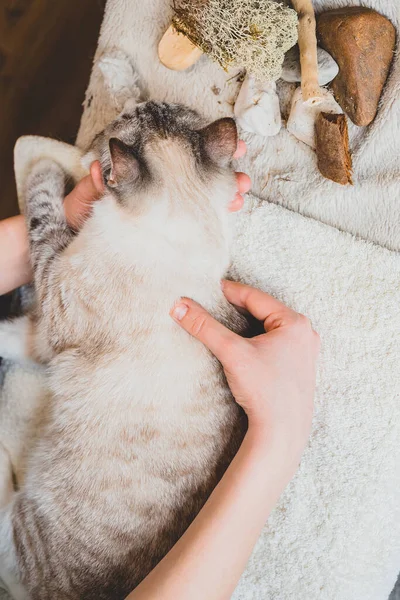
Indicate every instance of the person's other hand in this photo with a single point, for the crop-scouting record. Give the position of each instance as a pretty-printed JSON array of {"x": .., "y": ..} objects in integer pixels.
[{"x": 272, "y": 376}]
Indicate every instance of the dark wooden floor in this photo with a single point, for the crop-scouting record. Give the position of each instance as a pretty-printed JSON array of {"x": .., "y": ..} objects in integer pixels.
[{"x": 46, "y": 52}]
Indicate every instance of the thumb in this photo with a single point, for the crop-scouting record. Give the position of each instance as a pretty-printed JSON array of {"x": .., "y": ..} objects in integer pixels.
[
  {"x": 78, "y": 203},
  {"x": 200, "y": 324}
]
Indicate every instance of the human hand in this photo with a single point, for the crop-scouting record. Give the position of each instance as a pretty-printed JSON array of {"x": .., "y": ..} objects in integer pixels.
[{"x": 272, "y": 376}]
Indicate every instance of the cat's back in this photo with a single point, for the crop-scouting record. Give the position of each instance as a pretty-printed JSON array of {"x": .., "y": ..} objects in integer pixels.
[
  {"x": 142, "y": 422},
  {"x": 137, "y": 401}
]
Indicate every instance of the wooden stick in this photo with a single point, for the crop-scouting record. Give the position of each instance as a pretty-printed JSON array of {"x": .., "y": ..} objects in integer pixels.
[{"x": 310, "y": 88}]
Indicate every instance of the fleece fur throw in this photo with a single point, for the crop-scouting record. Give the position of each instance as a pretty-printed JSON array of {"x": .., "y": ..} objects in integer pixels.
[{"x": 335, "y": 534}]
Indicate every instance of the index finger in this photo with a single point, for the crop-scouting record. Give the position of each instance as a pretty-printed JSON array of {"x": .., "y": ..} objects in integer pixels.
[{"x": 260, "y": 304}]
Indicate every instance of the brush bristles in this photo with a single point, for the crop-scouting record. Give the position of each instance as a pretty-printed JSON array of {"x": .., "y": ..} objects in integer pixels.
[{"x": 240, "y": 33}]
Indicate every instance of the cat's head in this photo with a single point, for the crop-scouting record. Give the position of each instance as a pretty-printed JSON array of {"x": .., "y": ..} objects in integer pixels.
[{"x": 161, "y": 157}]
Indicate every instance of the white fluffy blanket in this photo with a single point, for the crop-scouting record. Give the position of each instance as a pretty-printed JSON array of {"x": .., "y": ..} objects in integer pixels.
[{"x": 335, "y": 534}]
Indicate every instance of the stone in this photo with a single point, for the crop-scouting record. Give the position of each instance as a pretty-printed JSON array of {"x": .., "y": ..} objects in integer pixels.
[
  {"x": 303, "y": 115},
  {"x": 327, "y": 66},
  {"x": 257, "y": 107},
  {"x": 362, "y": 41}
]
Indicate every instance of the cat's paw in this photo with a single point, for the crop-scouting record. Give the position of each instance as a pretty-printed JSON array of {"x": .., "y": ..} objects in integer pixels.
[
  {"x": 45, "y": 187},
  {"x": 45, "y": 170}
]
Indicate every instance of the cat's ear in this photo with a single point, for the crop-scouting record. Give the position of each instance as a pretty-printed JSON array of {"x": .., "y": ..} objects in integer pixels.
[
  {"x": 220, "y": 140},
  {"x": 124, "y": 164}
]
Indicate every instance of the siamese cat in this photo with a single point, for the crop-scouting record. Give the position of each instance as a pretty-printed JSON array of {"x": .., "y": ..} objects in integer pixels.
[{"x": 140, "y": 423}]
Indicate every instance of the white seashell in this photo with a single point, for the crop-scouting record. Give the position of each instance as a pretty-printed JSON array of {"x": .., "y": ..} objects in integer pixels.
[
  {"x": 257, "y": 107},
  {"x": 303, "y": 115},
  {"x": 327, "y": 66}
]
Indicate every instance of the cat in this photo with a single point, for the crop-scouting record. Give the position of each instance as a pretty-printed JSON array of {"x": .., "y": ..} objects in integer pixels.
[{"x": 140, "y": 423}]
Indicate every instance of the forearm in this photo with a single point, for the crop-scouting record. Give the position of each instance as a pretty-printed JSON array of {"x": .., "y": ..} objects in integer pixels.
[
  {"x": 209, "y": 559},
  {"x": 14, "y": 254}
]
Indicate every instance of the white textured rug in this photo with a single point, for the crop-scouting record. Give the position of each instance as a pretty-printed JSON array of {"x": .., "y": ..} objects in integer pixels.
[{"x": 336, "y": 532}]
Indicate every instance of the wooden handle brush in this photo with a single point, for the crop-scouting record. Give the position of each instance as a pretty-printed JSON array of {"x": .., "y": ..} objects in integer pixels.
[
  {"x": 176, "y": 51},
  {"x": 242, "y": 33}
]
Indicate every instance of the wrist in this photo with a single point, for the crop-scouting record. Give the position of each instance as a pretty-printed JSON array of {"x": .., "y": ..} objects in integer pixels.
[
  {"x": 259, "y": 436},
  {"x": 271, "y": 447}
]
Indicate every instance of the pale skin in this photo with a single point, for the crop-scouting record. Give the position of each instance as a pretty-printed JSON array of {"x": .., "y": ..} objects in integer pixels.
[{"x": 272, "y": 376}]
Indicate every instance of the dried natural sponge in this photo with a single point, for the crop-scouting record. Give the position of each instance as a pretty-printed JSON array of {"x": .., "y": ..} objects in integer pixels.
[{"x": 254, "y": 34}]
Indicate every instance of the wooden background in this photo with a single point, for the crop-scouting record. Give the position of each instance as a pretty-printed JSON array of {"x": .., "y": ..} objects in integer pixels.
[{"x": 46, "y": 53}]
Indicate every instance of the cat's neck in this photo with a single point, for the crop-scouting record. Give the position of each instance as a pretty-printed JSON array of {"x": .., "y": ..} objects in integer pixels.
[{"x": 152, "y": 241}]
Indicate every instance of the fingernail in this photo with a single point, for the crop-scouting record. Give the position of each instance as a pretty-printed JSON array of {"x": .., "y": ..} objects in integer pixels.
[{"x": 179, "y": 311}]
